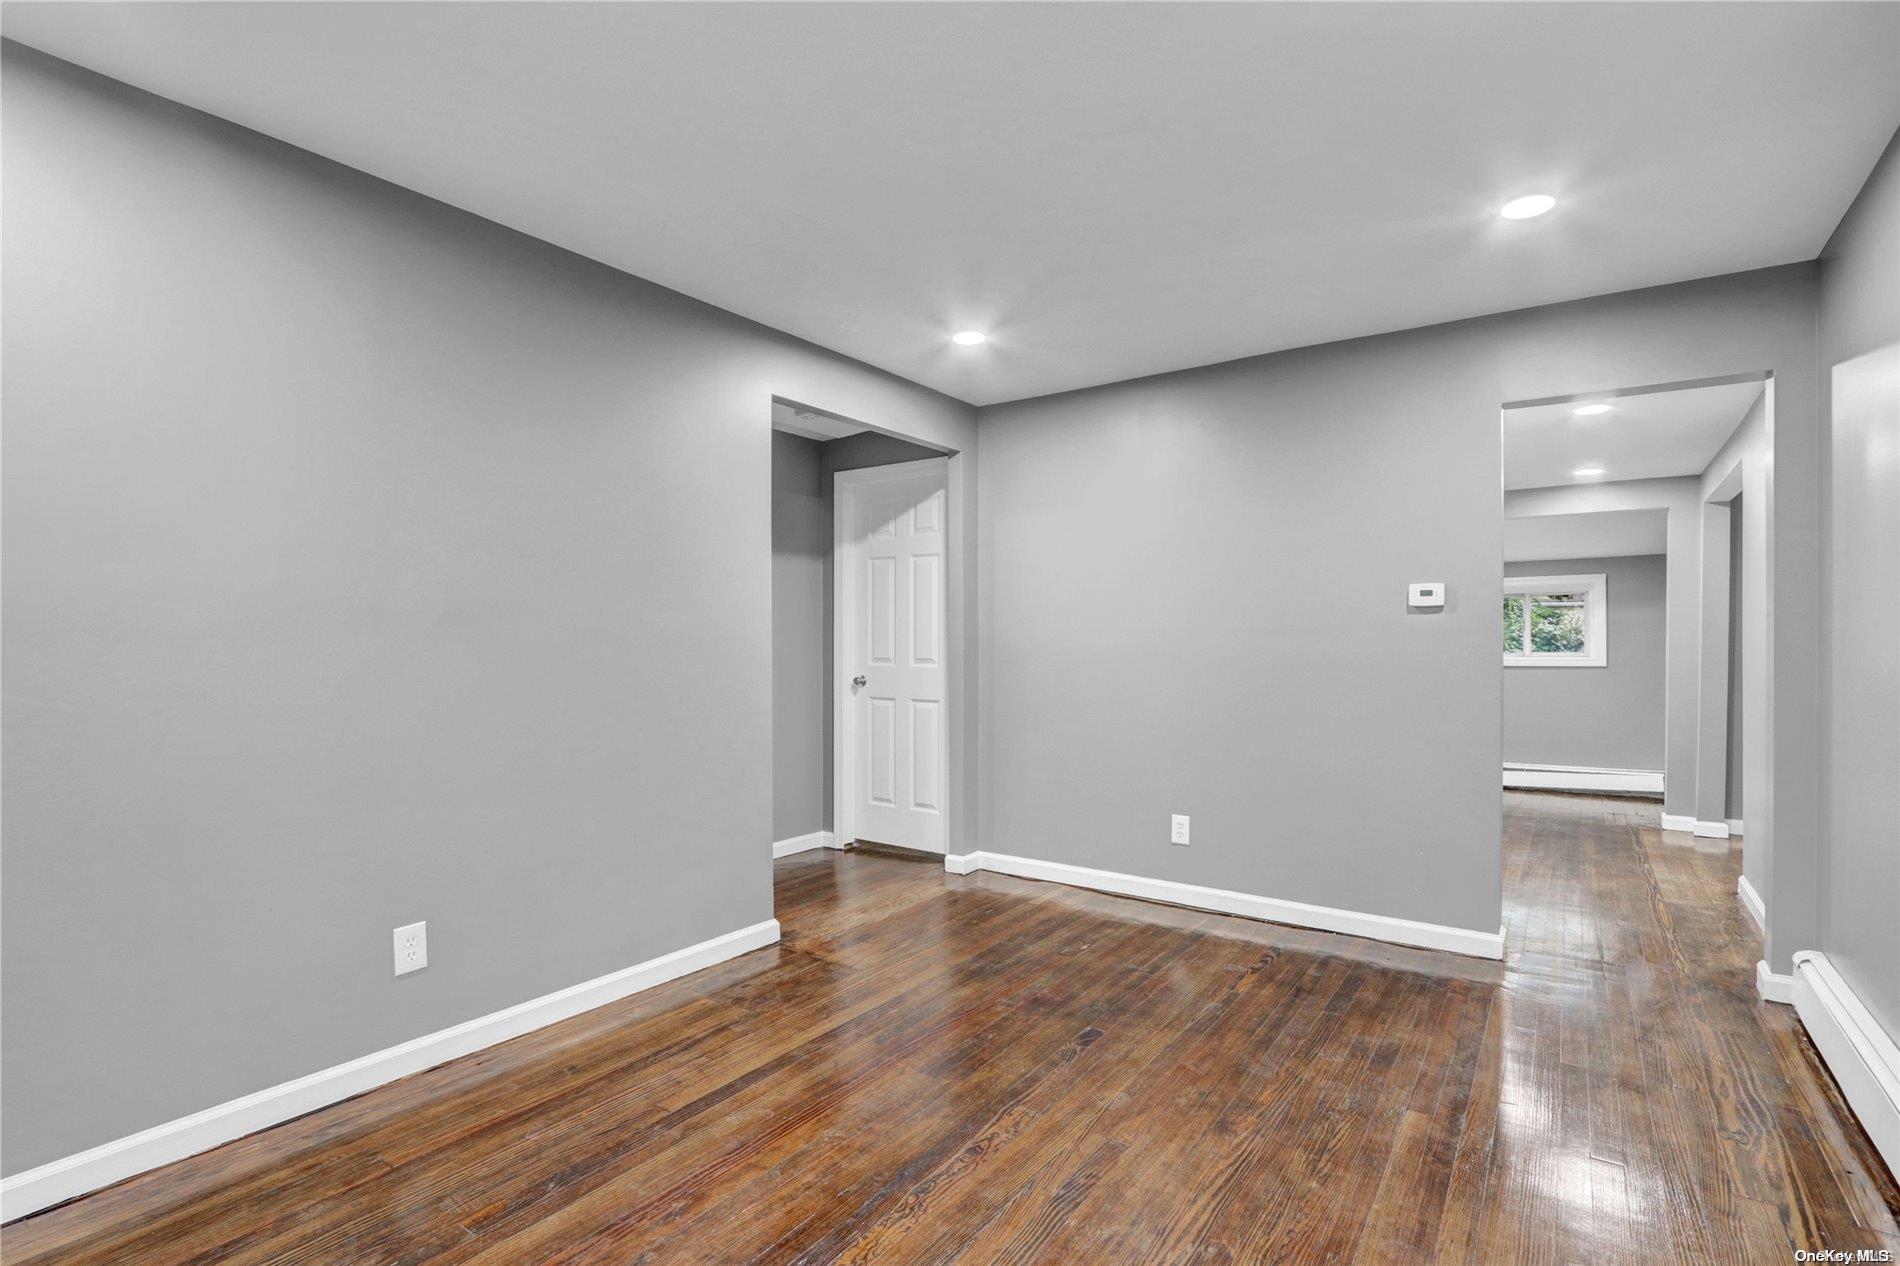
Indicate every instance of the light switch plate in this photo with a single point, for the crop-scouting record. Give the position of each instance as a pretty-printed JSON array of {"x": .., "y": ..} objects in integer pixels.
[{"x": 1426, "y": 593}]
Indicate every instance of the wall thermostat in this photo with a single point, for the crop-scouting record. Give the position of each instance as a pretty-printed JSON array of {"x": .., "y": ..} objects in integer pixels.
[{"x": 1429, "y": 593}]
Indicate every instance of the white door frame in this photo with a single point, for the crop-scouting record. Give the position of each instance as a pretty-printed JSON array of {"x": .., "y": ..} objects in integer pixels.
[{"x": 846, "y": 487}]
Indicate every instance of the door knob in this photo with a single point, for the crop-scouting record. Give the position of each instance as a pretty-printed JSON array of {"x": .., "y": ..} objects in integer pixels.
[{"x": 858, "y": 680}]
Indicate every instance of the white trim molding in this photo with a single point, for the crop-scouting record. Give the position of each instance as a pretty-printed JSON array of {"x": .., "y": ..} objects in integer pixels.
[
  {"x": 1678, "y": 822},
  {"x": 1378, "y": 927},
  {"x": 1710, "y": 830},
  {"x": 1735, "y": 826},
  {"x": 75, "y": 1175},
  {"x": 803, "y": 843},
  {"x": 1771, "y": 986},
  {"x": 1752, "y": 902},
  {"x": 1583, "y": 778},
  {"x": 1862, "y": 1056}
]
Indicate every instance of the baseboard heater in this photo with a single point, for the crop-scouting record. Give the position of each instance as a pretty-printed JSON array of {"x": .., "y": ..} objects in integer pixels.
[
  {"x": 1628, "y": 782},
  {"x": 1862, "y": 1056}
]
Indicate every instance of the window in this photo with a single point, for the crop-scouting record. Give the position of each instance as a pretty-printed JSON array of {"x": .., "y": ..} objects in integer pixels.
[{"x": 1555, "y": 622}]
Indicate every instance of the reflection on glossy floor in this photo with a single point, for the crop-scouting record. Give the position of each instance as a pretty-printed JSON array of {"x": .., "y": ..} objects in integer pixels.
[{"x": 933, "y": 1067}]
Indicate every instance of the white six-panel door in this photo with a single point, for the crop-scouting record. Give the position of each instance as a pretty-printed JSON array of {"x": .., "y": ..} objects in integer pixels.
[{"x": 890, "y": 673}]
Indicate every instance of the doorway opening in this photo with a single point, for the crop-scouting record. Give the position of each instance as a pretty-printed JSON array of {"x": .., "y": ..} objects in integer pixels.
[
  {"x": 863, "y": 657},
  {"x": 1632, "y": 606}
]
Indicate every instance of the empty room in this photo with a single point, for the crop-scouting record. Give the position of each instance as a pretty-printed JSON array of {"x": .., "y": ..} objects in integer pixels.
[{"x": 845, "y": 632}]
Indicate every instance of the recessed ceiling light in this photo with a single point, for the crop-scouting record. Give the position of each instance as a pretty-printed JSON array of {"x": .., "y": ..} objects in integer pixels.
[
  {"x": 1524, "y": 208},
  {"x": 1590, "y": 410},
  {"x": 968, "y": 338},
  {"x": 1588, "y": 472}
]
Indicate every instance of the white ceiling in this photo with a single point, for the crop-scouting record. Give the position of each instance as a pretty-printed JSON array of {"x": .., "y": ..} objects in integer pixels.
[
  {"x": 1604, "y": 534},
  {"x": 1110, "y": 190},
  {"x": 1649, "y": 436}
]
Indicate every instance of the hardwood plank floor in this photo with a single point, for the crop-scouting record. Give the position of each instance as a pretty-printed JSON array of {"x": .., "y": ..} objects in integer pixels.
[{"x": 932, "y": 1068}]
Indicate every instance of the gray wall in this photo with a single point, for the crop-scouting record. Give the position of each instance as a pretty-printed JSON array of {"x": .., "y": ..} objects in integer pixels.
[
  {"x": 364, "y": 562},
  {"x": 801, "y": 615},
  {"x": 1196, "y": 584},
  {"x": 1192, "y": 599},
  {"x": 801, "y": 647},
  {"x": 1609, "y": 717},
  {"x": 1736, "y": 729},
  {"x": 1860, "y": 313},
  {"x": 1713, "y": 567}
]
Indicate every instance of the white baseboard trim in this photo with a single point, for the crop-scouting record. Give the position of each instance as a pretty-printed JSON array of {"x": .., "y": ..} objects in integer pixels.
[
  {"x": 1583, "y": 778},
  {"x": 1770, "y": 987},
  {"x": 1752, "y": 902},
  {"x": 804, "y": 843},
  {"x": 1862, "y": 1056},
  {"x": 1710, "y": 830},
  {"x": 1678, "y": 822},
  {"x": 1379, "y": 927},
  {"x": 75, "y": 1175},
  {"x": 1735, "y": 826}
]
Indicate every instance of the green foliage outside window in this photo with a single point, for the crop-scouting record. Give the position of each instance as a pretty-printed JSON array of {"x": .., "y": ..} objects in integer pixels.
[
  {"x": 1556, "y": 624},
  {"x": 1513, "y": 624}
]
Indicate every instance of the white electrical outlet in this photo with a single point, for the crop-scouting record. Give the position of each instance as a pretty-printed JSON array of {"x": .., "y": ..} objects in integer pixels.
[
  {"x": 1179, "y": 834},
  {"x": 412, "y": 948}
]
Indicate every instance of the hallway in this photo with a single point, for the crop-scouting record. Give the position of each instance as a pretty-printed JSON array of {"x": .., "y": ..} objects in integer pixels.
[{"x": 983, "y": 1068}]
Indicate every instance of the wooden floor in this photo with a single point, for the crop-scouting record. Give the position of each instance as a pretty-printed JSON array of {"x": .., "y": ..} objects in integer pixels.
[{"x": 932, "y": 1068}]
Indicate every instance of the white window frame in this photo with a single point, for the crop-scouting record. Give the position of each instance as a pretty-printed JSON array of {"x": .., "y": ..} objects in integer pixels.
[{"x": 1596, "y": 623}]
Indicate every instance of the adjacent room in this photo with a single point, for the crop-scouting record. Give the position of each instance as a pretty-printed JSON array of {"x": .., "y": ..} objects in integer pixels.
[
  {"x": 1618, "y": 532},
  {"x": 1040, "y": 632}
]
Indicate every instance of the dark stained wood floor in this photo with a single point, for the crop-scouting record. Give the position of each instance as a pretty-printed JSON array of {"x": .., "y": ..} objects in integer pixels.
[{"x": 932, "y": 1068}]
